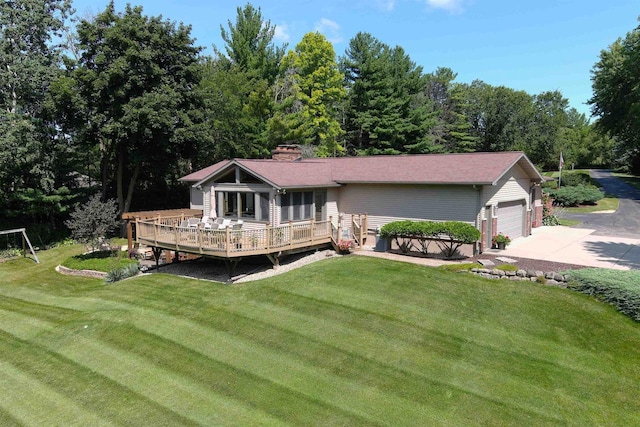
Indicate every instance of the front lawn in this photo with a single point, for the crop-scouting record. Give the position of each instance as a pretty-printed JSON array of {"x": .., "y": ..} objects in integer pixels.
[
  {"x": 345, "y": 341},
  {"x": 606, "y": 204}
]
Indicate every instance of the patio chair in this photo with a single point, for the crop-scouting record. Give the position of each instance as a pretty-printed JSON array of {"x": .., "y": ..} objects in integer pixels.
[
  {"x": 193, "y": 222},
  {"x": 184, "y": 223},
  {"x": 225, "y": 223},
  {"x": 237, "y": 226}
]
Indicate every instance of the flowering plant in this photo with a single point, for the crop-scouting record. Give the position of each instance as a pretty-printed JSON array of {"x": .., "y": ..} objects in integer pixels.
[
  {"x": 501, "y": 238},
  {"x": 344, "y": 245}
]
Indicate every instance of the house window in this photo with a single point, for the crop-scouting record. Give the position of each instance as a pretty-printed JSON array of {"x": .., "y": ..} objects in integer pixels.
[
  {"x": 297, "y": 205},
  {"x": 250, "y": 205},
  {"x": 263, "y": 200},
  {"x": 230, "y": 203},
  {"x": 247, "y": 205}
]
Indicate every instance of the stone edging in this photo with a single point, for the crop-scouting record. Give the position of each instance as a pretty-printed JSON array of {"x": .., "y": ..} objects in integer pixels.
[
  {"x": 548, "y": 278},
  {"x": 84, "y": 273}
]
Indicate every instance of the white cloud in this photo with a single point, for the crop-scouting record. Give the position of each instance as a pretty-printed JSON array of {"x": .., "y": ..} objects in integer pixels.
[
  {"x": 386, "y": 5},
  {"x": 281, "y": 33},
  {"x": 330, "y": 29},
  {"x": 450, "y": 5}
]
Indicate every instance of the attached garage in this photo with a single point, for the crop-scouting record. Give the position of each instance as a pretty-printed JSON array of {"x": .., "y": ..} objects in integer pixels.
[{"x": 512, "y": 218}]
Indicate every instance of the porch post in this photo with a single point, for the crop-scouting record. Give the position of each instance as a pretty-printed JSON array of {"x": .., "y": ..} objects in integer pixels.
[
  {"x": 290, "y": 234},
  {"x": 268, "y": 237},
  {"x": 228, "y": 241},
  {"x": 155, "y": 230},
  {"x": 313, "y": 229},
  {"x": 177, "y": 237},
  {"x": 129, "y": 236}
]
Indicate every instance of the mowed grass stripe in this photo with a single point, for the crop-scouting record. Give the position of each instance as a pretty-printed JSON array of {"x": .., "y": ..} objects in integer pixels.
[
  {"x": 175, "y": 392},
  {"x": 23, "y": 326},
  {"x": 49, "y": 313},
  {"x": 228, "y": 380},
  {"x": 516, "y": 339},
  {"x": 34, "y": 403},
  {"x": 94, "y": 392},
  {"x": 523, "y": 392},
  {"x": 351, "y": 396}
]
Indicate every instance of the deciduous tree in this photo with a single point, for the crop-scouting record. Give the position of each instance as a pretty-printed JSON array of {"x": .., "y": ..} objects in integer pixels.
[
  {"x": 136, "y": 77},
  {"x": 616, "y": 93}
]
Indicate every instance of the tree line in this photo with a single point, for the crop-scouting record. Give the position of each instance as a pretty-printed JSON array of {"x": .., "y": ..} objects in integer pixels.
[{"x": 127, "y": 103}]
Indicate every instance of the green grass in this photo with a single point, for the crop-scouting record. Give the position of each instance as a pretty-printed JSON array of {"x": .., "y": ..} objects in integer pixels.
[
  {"x": 569, "y": 222},
  {"x": 606, "y": 204},
  {"x": 629, "y": 179},
  {"x": 345, "y": 341},
  {"x": 98, "y": 261}
]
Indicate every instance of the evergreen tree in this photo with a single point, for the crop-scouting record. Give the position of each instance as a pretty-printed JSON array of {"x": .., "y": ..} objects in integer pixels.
[
  {"x": 309, "y": 94},
  {"x": 386, "y": 110}
]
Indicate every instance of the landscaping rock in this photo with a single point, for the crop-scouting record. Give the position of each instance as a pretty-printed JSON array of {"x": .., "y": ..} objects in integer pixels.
[
  {"x": 549, "y": 275},
  {"x": 521, "y": 273},
  {"x": 497, "y": 272},
  {"x": 558, "y": 277},
  {"x": 551, "y": 282},
  {"x": 486, "y": 262},
  {"x": 510, "y": 273},
  {"x": 539, "y": 273},
  {"x": 515, "y": 278}
]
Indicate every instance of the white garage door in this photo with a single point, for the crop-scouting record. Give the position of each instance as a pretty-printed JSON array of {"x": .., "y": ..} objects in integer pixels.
[{"x": 511, "y": 218}]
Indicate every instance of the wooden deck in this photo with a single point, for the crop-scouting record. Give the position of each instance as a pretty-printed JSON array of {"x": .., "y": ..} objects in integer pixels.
[{"x": 166, "y": 233}]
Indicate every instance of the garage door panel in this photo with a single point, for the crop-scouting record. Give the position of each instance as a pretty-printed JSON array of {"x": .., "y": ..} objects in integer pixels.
[{"x": 511, "y": 218}]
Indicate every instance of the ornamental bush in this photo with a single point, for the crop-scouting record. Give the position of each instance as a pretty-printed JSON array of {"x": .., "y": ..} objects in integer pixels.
[
  {"x": 448, "y": 235},
  {"x": 618, "y": 288},
  {"x": 574, "y": 196},
  {"x": 93, "y": 221},
  {"x": 574, "y": 179}
]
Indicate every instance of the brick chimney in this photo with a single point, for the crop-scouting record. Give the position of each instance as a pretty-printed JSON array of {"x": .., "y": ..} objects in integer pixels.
[{"x": 287, "y": 152}]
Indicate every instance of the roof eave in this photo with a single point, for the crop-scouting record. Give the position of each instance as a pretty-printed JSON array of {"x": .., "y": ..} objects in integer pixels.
[{"x": 234, "y": 162}]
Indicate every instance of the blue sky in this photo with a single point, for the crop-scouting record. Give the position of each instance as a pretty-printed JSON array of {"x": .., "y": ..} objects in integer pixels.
[{"x": 526, "y": 45}]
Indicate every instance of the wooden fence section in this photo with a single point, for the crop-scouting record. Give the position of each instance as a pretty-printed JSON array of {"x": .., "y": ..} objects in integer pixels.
[{"x": 166, "y": 232}]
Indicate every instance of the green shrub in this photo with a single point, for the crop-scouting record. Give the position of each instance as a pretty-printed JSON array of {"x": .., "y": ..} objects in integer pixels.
[
  {"x": 448, "y": 235},
  {"x": 118, "y": 274},
  {"x": 574, "y": 179},
  {"x": 574, "y": 196},
  {"x": 619, "y": 288}
]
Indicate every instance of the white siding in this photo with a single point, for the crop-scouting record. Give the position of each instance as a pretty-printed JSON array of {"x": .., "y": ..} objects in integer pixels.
[
  {"x": 207, "y": 202},
  {"x": 196, "y": 199},
  {"x": 332, "y": 204},
  {"x": 513, "y": 186},
  {"x": 386, "y": 203}
]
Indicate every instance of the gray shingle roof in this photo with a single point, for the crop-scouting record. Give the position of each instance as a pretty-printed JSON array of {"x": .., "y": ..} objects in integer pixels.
[{"x": 465, "y": 168}]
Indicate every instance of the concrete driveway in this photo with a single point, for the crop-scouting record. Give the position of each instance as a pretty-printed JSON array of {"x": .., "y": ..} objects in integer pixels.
[
  {"x": 606, "y": 240},
  {"x": 577, "y": 246},
  {"x": 625, "y": 221}
]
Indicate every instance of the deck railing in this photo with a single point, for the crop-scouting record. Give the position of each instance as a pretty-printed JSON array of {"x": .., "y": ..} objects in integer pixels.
[{"x": 168, "y": 234}]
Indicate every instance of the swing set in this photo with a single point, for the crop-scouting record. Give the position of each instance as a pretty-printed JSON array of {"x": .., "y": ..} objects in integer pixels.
[{"x": 25, "y": 241}]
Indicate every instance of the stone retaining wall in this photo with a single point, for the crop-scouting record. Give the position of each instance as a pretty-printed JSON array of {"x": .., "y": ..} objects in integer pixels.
[
  {"x": 548, "y": 278},
  {"x": 84, "y": 273}
]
